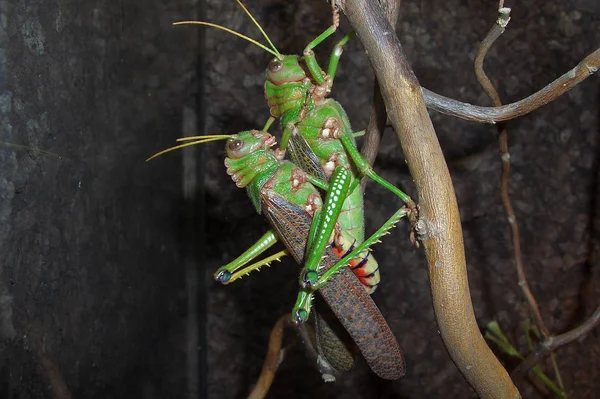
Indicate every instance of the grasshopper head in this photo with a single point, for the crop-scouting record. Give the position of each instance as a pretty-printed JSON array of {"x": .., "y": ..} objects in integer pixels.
[
  {"x": 285, "y": 70},
  {"x": 248, "y": 155},
  {"x": 248, "y": 142}
]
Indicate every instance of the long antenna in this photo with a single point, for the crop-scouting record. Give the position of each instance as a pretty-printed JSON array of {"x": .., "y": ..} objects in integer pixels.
[
  {"x": 259, "y": 28},
  {"x": 204, "y": 139},
  {"x": 268, "y": 50}
]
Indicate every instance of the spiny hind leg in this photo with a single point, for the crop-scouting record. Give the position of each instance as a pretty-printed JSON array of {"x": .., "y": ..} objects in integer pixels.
[
  {"x": 365, "y": 169},
  {"x": 304, "y": 300},
  {"x": 231, "y": 271},
  {"x": 323, "y": 225},
  {"x": 365, "y": 246}
]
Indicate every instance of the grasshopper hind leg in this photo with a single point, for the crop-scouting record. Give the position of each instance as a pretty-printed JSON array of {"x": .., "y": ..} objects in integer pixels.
[{"x": 230, "y": 272}]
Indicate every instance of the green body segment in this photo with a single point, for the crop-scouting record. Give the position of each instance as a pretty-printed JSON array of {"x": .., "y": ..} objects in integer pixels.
[
  {"x": 364, "y": 266},
  {"x": 331, "y": 153},
  {"x": 305, "y": 195}
]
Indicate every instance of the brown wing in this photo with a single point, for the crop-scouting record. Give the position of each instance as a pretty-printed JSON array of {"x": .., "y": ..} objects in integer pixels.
[
  {"x": 332, "y": 342},
  {"x": 344, "y": 294},
  {"x": 303, "y": 156}
]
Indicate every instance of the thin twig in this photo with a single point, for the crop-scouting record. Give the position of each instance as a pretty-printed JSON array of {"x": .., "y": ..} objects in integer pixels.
[
  {"x": 550, "y": 342},
  {"x": 494, "y": 33},
  {"x": 556, "y": 342},
  {"x": 34, "y": 149},
  {"x": 272, "y": 360},
  {"x": 445, "y": 105},
  {"x": 439, "y": 227},
  {"x": 378, "y": 118}
]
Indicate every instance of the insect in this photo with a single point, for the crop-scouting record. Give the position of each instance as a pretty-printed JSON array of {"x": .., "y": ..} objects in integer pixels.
[
  {"x": 317, "y": 132},
  {"x": 284, "y": 194}
]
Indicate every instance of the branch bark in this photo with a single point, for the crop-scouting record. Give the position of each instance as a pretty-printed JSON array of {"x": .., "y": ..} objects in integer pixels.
[
  {"x": 273, "y": 359},
  {"x": 439, "y": 224},
  {"x": 376, "y": 126},
  {"x": 493, "y": 34},
  {"x": 588, "y": 66},
  {"x": 556, "y": 342}
]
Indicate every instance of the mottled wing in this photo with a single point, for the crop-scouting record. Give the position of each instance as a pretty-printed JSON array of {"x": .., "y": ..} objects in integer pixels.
[
  {"x": 302, "y": 155},
  {"x": 344, "y": 293},
  {"x": 331, "y": 345}
]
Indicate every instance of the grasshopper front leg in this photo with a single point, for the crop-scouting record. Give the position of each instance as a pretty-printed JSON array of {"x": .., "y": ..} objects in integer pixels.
[
  {"x": 237, "y": 268},
  {"x": 366, "y": 169},
  {"x": 309, "y": 55}
]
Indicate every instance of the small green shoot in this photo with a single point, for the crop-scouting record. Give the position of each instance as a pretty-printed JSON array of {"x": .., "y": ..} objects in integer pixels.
[{"x": 494, "y": 334}]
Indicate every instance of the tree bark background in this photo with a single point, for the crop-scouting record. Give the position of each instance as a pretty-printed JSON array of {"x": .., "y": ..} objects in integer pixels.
[{"x": 93, "y": 245}]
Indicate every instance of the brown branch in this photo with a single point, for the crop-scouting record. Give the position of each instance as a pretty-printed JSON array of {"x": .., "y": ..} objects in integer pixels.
[
  {"x": 439, "y": 225},
  {"x": 272, "y": 360},
  {"x": 445, "y": 105},
  {"x": 378, "y": 118},
  {"x": 275, "y": 354},
  {"x": 556, "y": 342},
  {"x": 494, "y": 33},
  {"x": 488, "y": 41}
]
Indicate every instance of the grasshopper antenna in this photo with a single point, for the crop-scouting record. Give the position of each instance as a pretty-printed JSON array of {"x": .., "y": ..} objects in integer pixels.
[
  {"x": 198, "y": 140},
  {"x": 259, "y": 28},
  {"x": 262, "y": 46}
]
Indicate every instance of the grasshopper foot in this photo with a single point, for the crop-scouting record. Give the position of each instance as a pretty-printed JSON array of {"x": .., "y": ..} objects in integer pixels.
[
  {"x": 308, "y": 278},
  {"x": 300, "y": 316},
  {"x": 223, "y": 277}
]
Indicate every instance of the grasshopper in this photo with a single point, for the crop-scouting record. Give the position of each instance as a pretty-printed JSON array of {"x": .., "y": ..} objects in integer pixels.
[
  {"x": 284, "y": 194},
  {"x": 321, "y": 141}
]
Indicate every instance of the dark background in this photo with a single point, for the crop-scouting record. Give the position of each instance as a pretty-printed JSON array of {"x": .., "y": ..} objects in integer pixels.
[{"x": 106, "y": 286}]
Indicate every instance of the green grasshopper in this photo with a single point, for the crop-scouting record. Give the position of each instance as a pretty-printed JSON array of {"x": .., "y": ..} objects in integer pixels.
[
  {"x": 321, "y": 141},
  {"x": 284, "y": 194}
]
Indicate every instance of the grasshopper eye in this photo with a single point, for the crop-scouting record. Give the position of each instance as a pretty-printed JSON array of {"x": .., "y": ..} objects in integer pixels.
[
  {"x": 235, "y": 145},
  {"x": 275, "y": 66}
]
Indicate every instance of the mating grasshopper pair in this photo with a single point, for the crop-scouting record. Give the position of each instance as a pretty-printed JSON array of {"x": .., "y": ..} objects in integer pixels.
[{"x": 321, "y": 143}]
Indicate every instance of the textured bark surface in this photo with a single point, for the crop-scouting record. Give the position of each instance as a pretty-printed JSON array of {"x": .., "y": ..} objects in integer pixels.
[
  {"x": 439, "y": 226},
  {"x": 92, "y": 247},
  {"x": 92, "y": 295}
]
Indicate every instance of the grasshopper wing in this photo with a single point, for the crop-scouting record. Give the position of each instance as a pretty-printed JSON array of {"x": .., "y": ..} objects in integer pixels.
[
  {"x": 344, "y": 293},
  {"x": 302, "y": 155}
]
